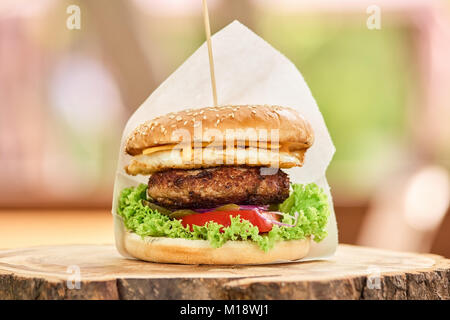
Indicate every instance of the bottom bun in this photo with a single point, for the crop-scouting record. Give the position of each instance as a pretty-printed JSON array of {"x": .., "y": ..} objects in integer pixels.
[{"x": 176, "y": 250}]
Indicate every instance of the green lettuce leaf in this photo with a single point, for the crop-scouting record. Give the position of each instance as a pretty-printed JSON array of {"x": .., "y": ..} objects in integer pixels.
[{"x": 307, "y": 207}]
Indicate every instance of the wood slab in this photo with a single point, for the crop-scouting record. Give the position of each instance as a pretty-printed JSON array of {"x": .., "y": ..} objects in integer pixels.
[{"x": 353, "y": 273}]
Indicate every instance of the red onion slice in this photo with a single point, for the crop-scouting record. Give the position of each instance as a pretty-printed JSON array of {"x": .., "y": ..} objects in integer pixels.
[
  {"x": 275, "y": 221},
  {"x": 241, "y": 207},
  {"x": 258, "y": 210},
  {"x": 203, "y": 210}
]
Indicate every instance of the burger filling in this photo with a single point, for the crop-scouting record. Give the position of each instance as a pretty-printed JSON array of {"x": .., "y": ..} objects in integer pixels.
[
  {"x": 212, "y": 187},
  {"x": 226, "y": 203}
]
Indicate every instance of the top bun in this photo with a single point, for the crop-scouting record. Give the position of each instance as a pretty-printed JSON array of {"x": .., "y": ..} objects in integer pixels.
[{"x": 293, "y": 128}]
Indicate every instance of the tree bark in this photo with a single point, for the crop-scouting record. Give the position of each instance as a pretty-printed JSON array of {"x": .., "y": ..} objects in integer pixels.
[{"x": 353, "y": 273}]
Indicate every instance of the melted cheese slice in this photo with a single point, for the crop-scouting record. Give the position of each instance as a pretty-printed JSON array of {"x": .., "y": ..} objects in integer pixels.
[
  {"x": 158, "y": 148},
  {"x": 151, "y": 150}
]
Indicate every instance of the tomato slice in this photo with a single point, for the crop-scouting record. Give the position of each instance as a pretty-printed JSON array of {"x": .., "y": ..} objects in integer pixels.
[{"x": 223, "y": 218}]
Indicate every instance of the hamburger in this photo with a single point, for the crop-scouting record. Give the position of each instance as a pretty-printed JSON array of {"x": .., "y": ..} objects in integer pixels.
[{"x": 217, "y": 192}]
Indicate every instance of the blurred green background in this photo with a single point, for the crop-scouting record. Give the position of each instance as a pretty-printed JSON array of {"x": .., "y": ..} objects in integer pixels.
[{"x": 361, "y": 81}]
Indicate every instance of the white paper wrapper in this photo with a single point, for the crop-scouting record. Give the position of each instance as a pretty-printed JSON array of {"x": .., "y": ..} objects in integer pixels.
[{"x": 248, "y": 71}]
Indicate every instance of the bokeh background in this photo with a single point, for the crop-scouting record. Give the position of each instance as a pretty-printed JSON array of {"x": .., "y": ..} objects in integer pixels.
[{"x": 65, "y": 96}]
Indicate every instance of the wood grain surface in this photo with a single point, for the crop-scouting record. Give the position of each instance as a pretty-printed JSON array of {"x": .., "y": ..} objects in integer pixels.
[{"x": 353, "y": 273}]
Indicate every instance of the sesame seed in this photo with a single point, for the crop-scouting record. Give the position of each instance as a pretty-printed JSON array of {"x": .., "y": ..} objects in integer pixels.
[
  {"x": 185, "y": 123},
  {"x": 179, "y": 118},
  {"x": 204, "y": 117},
  {"x": 171, "y": 116}
]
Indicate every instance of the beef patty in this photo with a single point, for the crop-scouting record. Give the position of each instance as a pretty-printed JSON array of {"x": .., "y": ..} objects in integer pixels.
[{"x": 207, "y": 188}]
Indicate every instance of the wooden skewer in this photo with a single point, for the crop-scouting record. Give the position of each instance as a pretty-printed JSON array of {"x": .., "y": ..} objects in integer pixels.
[{"x": 208, "y": 42}]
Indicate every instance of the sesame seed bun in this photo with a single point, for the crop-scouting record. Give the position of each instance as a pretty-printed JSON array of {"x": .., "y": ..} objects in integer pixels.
[
  {"x": 293, "y": 129},
  {"x": 176, "y": 250}
]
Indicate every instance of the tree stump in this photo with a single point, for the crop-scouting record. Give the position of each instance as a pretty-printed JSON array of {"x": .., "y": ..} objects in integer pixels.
[{"x": 99, "y": 272}]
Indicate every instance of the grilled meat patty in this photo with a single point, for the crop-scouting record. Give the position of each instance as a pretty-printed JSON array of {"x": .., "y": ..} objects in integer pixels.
[{"x": 207, "y": 188}]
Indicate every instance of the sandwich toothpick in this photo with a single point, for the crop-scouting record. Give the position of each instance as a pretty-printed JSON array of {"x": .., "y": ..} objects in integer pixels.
[{"x": 208, "y": 41}]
